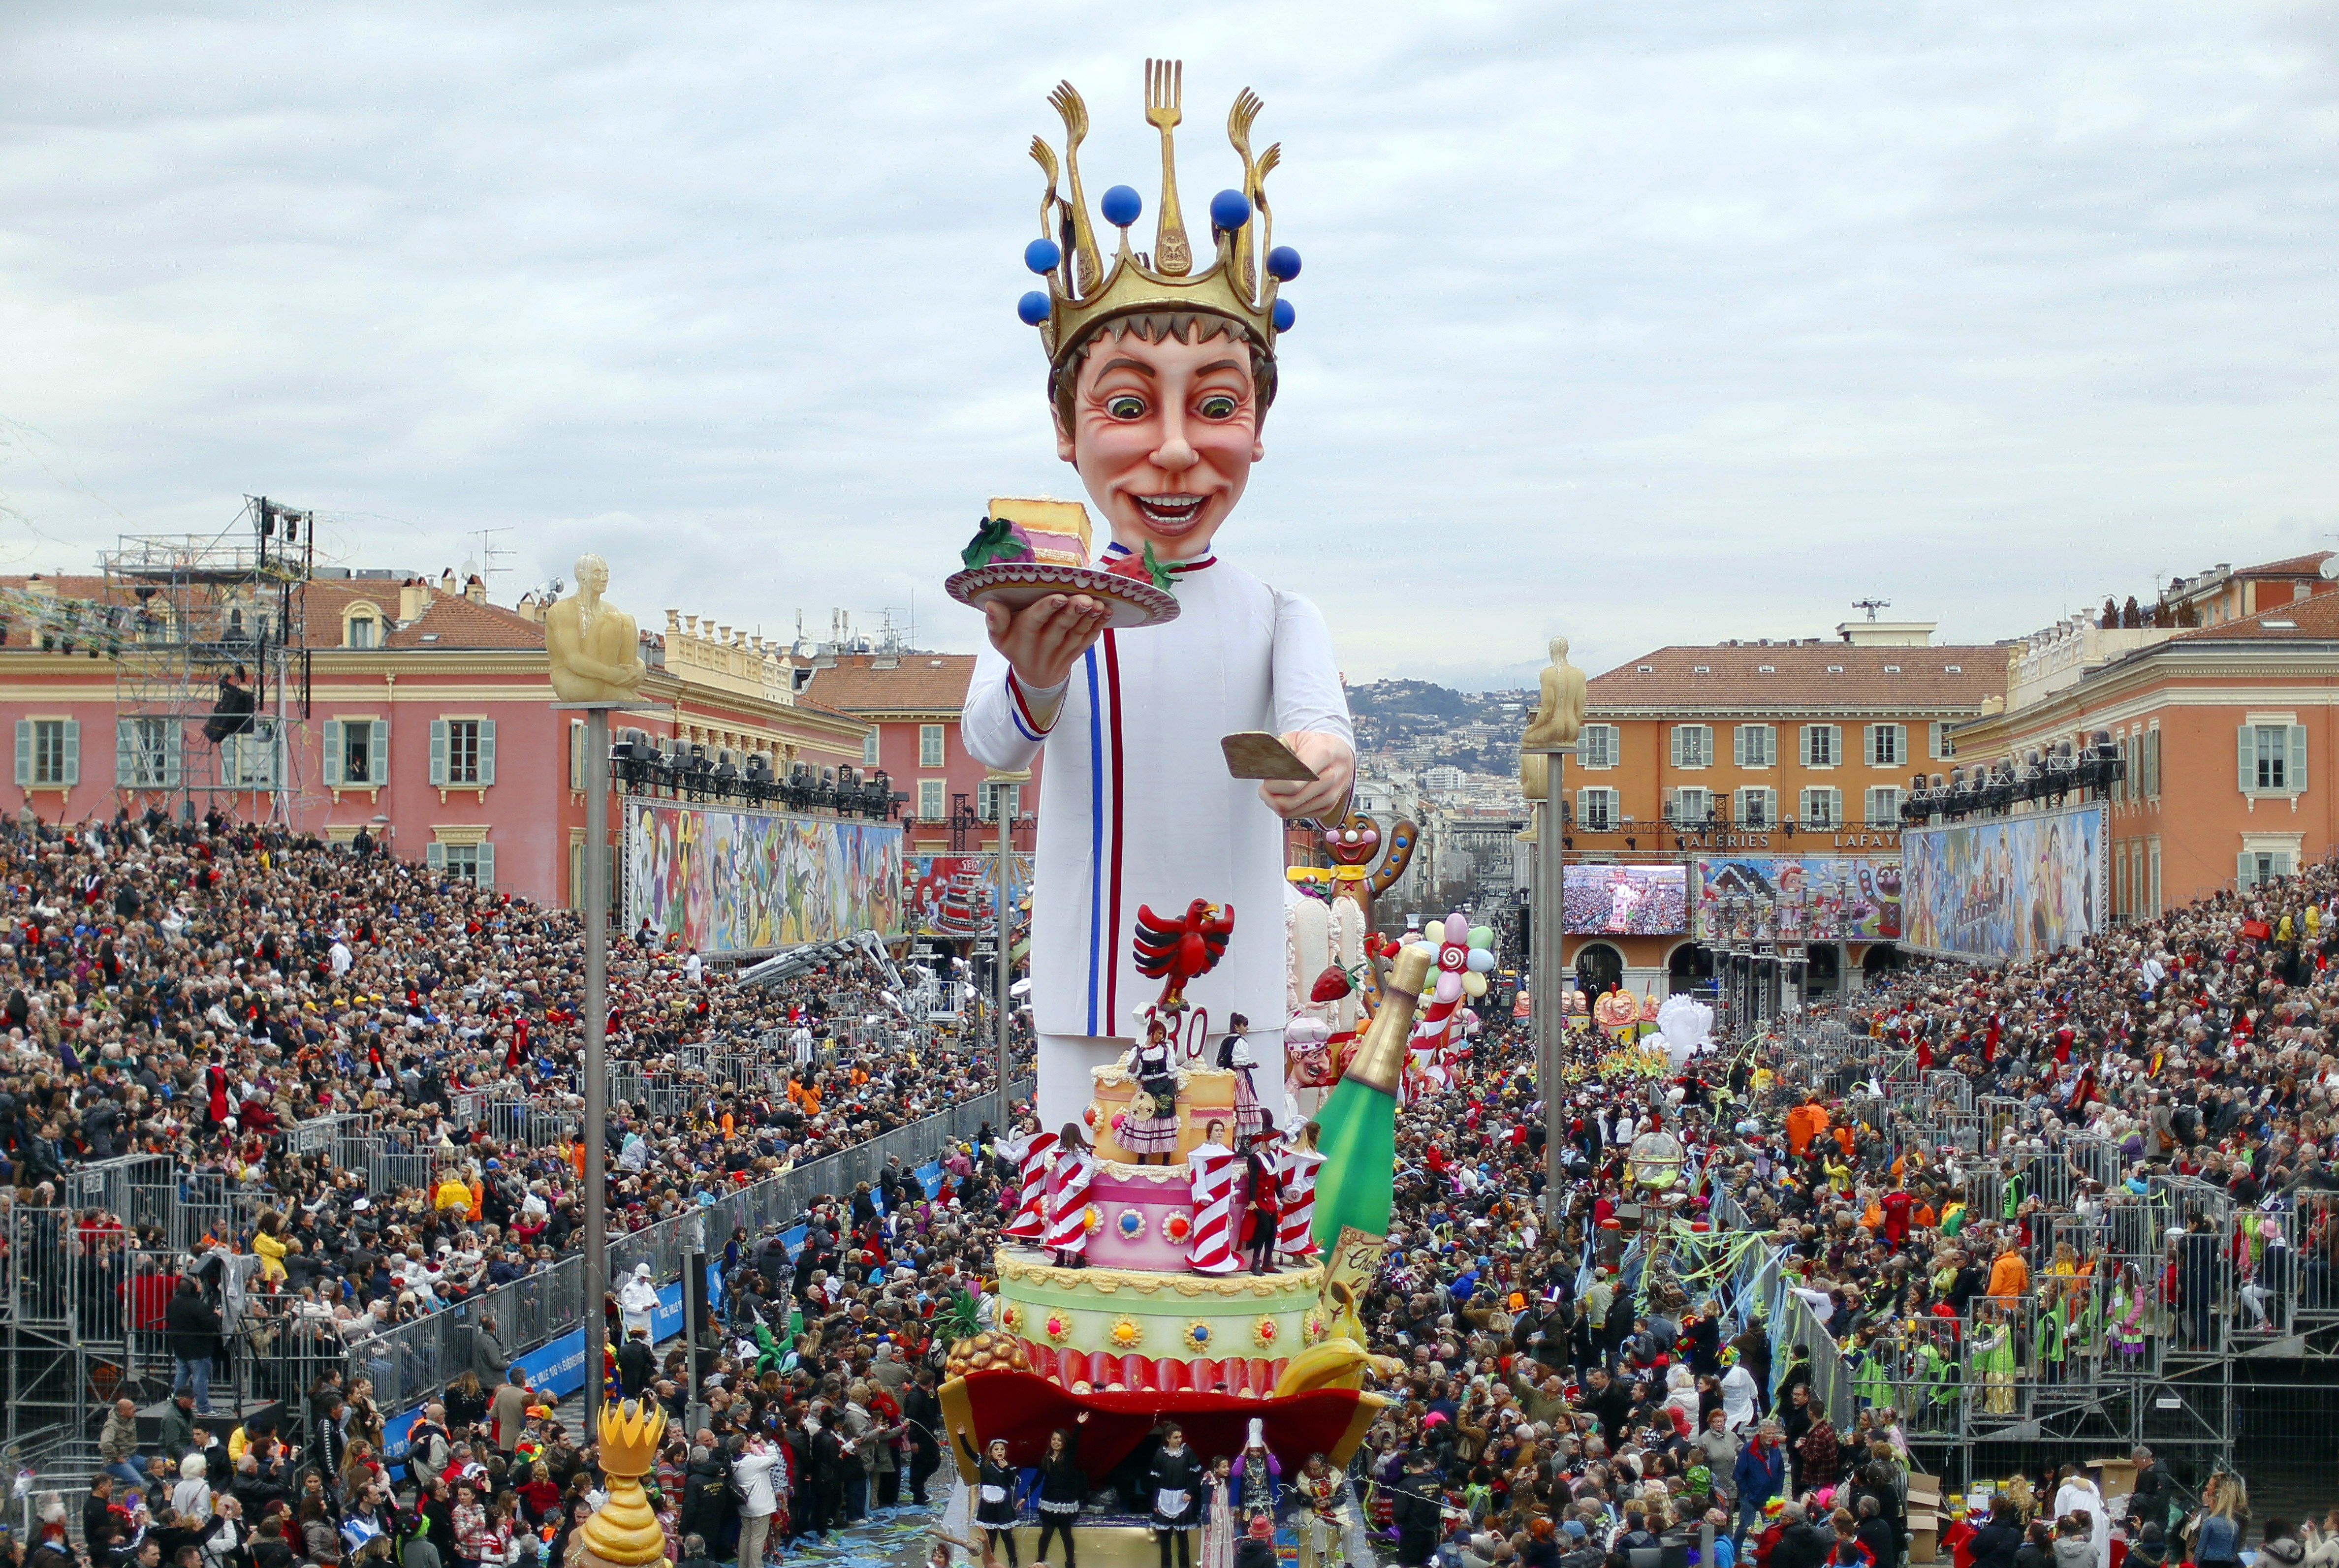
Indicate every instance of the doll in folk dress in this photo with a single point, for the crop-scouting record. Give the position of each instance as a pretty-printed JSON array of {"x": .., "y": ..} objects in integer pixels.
[
  {"x": 1235, "y": 1056},
  {"x": 1150, "y": 1126}
]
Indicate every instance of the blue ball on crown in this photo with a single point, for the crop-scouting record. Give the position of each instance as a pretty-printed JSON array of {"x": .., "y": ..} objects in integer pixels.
[
  {"x": 1229, "y": 210},
  {"x": 1041, "y": 255},
  {"x": 1283, "y": 264},
  {"x": 1032, "y": 307},
  {"x": 1121, "y": 206},
  {"x": 1284, "y": 315}
]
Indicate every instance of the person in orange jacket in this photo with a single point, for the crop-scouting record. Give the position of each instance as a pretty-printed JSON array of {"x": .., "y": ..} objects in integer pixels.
[{"x": 2008, "y": 1274}]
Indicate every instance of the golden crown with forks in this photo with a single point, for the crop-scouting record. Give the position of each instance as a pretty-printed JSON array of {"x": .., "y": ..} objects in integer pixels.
[{"x": 1240, "y": 280}]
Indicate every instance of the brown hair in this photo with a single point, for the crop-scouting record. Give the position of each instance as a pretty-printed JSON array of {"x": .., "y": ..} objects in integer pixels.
[{"x": 1153, "y": 327}]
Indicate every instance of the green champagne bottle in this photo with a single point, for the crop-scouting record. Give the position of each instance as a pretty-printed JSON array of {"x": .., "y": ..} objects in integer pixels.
[{"x": 1358, "y": 1123}]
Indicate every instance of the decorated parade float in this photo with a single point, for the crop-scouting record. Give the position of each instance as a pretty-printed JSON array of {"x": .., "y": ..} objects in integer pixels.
[{"x": 1220, "y": 1049}]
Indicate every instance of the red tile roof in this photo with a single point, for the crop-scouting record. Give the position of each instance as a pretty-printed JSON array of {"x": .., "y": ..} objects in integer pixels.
[
  {"x": 449, "y": 621},
  {"x": 2289, "y": 566},
  {"x": 1802, "y": 677},
  {"x": 870, "y": 684},
  {"x": 2301, "y": 620}
]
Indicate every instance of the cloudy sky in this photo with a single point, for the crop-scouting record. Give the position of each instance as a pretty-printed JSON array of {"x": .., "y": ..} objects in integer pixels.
[{"x": 1647, "y": 323}]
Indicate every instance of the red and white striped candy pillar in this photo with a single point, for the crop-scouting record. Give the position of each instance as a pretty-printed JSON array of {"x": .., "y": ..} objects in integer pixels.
[
  {"x": 1298, "y": 1195},
  {"x": 1213, "y": 1249},
  {"x": 1031, "y": 1221},
  {"x": 1068, "y": 1201}
]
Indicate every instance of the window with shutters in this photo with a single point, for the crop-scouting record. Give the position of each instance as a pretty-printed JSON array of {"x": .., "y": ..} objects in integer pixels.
[
  {"x": 869, "y": 750},
  {"x": 987, "y": 799},
  {"x": 1753, "y": 746},
  {"x": 1883, "y": 806},
  {"x": 146, "y": 753},
  {"x": 1886, "y": 745},
  {"x": 2272, "y": 757},
  {"x": 51, "y": 752},
  {"x": 1595, "y": 810},
  {"x": 364, "y": 765},
  {"x": 1595, "y": 746},
  {"x": 1938, "y": 743},
  {"x": 930, "y": 800},
  {"x": 2152, "y": 778},
  {"x": 1823, "y": 808},
  {"x": 255, "y": 759},
  {"x": 1820, "y": 746},
  {"x": 1692, "y": 745},
  {"x": 472, "y": 862},
  {"x": 1757, "y": 808},
  {"x": 930, "y": 745},
  {"x": 463, "y": 751},
  {"x": 2152, "y": 850},
  {"x": 1689, "y": 807}
]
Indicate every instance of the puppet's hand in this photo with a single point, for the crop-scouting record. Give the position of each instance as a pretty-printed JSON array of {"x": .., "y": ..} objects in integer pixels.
[{"x": 1334, "y": 762}]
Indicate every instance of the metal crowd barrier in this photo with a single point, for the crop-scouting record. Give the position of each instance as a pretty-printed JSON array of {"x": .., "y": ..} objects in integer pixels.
[{"x": 415, "y": 1361}]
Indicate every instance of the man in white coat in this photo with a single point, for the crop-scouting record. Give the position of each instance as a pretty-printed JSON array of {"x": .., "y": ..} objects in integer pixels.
[
  {"x": 2078, "y": 1495},
  {"x": 638, "y": 1302},
  {"x": 1136, "y": 805}
]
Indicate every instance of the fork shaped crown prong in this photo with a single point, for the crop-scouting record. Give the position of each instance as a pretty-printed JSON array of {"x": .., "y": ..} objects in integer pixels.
[
  {"x": 1087, "y": 265},
  {"x": 1164, "y": 88},
  {"x": 1051, "y": 206},
  {"x": 1266, "y": 219},
  {"x": 1238, "y": 122}
]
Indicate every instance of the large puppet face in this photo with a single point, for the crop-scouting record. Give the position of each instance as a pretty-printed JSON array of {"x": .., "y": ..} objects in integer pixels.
[{"x": 1164, "y": 435}]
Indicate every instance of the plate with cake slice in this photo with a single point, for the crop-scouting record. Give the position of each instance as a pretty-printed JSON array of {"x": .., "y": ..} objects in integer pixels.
[{"x": 1028, "y": 548}]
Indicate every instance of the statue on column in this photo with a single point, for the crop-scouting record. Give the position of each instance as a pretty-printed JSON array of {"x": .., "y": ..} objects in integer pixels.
[{"x": 595, "y": 647}]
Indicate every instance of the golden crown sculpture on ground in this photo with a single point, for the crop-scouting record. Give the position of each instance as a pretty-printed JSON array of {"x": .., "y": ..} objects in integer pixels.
[
  {"x": 1240, "y": 283},
  {"x": 624, "y": 1533}
]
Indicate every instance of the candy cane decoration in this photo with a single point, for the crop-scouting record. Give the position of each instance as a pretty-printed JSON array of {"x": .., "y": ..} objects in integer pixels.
[
  {"x": 1213, "y": 1250},
  {"x": 1298, "y": 1195},
  {"x": 1068, "y": 1201},
  {"x": 1031, "y": 1221}
]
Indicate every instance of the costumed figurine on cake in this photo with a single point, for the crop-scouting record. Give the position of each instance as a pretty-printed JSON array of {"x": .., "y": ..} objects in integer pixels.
[{"x": 1173, "y": 1252}]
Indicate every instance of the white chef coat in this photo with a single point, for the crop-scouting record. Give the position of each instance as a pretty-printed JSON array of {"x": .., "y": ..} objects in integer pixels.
[{"x": 1135, "y": 806}]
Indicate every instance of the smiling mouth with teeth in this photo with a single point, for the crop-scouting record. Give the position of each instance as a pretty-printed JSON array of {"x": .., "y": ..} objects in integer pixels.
[{"x": 1170, "y": 513}]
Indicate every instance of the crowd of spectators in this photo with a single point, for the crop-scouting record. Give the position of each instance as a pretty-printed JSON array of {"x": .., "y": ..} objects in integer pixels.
[
  {"x": 1552, "y": 1411},
  {"x": 189, "y": 992}
]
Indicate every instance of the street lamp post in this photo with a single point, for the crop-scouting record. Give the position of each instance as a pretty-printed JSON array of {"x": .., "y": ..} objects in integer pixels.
[
  {"x": 1549, "y": 975},
  {"x": 1006, "y": 799},
  {"x": 1550, "y": 736}
]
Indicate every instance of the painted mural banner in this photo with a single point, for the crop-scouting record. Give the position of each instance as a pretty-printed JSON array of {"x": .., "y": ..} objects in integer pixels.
[
  {"x": 2006, "y": 888},
  {"x": 729, "y": 880},
  {"x": 1612, "y": 900},
  {"x": 1798, "y": 898}
]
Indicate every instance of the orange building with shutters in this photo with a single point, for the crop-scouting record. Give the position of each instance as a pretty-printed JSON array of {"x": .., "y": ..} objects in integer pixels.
[
  {"x": 2230, "y": 730},
  {"x": 1761, "y": 761}
]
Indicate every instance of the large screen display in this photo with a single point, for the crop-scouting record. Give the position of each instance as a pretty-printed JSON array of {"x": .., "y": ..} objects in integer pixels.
[
  {"x": 729, "y": 880},
  {"x": 2006, "y": 888},
  {"x": 1626, "y": 900},
  {"x": 1798, "y": 898},
  {"x": 956, "y": 896}
]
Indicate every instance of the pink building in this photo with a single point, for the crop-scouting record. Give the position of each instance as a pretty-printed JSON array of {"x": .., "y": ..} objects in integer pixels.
[
  {"x": 427, "y": 720},
  {"x": 912, "y": 703}
]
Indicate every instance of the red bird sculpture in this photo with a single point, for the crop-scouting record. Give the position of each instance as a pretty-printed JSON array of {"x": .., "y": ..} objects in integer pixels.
[{"x": 1177, "y": 950}]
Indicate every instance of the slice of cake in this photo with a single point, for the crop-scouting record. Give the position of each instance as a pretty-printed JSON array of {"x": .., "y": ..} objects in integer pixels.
[{"x": 1057, "y": 532}]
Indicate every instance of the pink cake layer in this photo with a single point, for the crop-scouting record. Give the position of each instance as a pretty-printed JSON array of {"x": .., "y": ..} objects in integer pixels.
[{"x": 1163, "y": 1228}]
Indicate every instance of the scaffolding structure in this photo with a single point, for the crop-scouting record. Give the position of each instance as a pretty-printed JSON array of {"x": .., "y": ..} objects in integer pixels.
[{"x": 214, "y": 673}]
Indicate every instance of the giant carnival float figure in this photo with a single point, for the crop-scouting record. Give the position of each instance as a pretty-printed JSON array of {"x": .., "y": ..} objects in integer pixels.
[{"x": 1186, "y": 1246}]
